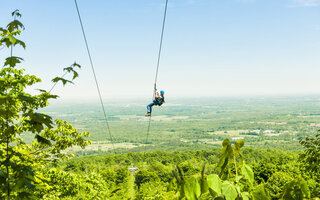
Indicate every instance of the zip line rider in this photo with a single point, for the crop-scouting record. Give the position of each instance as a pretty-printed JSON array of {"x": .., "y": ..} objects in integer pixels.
[{"x": 158, "y": 101}]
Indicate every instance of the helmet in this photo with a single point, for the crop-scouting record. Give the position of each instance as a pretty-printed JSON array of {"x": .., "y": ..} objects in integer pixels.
[{"x": 161, "y": 92}]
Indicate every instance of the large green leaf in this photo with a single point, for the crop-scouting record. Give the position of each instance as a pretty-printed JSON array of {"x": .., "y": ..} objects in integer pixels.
[
  {"x": 37, "y": 120},
  {"x": 192, "y": 189},
  {"x": 64, "y": 81},
  {"x": 43, "y": 140},
  {"x": 28, "y": 99},
  {"x": 229, "y": 190},
  {"x": 214, "y": 183},
  {"x": 43, "y": 119},
  {"x": 245, "y": 195},
  {"x": 247, "y": 172},
  {"x": 12, "y": 61}
]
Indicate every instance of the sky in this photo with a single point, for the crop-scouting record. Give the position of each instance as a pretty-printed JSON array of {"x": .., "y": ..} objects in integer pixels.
[{"x": 210, "y": 47}]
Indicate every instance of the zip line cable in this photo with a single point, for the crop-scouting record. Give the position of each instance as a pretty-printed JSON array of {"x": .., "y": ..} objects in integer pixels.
[
  {"x": 158, "y": 64},
  {"x": 94, "y": 75}
]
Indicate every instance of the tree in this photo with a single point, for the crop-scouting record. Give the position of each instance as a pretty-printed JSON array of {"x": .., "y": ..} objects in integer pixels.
[
  {"x": 310, "y": 160},
  {"x": 311, "y": 155},
  {"x": 20, "y": 163}
]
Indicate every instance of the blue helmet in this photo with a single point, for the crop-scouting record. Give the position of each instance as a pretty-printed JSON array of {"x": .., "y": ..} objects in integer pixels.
[{"x": 161, "y": 92}]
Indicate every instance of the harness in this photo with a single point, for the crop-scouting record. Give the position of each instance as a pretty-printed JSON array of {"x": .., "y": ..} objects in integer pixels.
[{"x": 160, "y": 101}]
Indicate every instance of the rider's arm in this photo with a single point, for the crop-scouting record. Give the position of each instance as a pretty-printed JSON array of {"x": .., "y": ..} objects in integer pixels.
[{"x": 157, "y": 95}]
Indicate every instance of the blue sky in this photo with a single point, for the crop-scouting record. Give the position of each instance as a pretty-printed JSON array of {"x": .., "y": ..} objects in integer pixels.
[{"x": 210, "y": 47}]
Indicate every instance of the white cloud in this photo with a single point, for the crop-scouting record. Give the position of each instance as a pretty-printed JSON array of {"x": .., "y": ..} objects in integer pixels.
[{"x": 305, "y": 3}]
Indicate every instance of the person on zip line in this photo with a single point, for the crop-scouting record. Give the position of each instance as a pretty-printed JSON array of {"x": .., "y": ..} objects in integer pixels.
[{"x": 158, "y": 101}]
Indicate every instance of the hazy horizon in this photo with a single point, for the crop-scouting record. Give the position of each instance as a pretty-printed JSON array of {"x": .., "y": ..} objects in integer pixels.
[{"x": 181, "y": 100}]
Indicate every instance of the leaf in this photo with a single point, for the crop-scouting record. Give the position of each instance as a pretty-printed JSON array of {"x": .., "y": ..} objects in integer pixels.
[
  {"x": 203, "y": 181},
  {"x": 241, "y": 158},
  {"x": 16, "y": 13},
  {"x": 214, "y": 183},
  {"x": 29, "y": 184},
  {"x": 192, "y": 189},
  {"x": 26, "y": 98},
  {"x": 245, "y": 195},
  {"x": 3, "y": 30},
  {"x": 76, "y": 65},
  {"x": 226, "y": 153},
  {"x": 68, "y": 69},
  {"x": 43, "y": 118},
  {"x": 64, "y": 81},
  {"x": 260, "y": 193},
  {"x": 38, "y": 119},
  {"x": 238, "y": 189},
  {"x": 229, "y": 191},
  {"x": 75, "y": 75},
  {"x": 43, "y": 140},
  {"x": 71, "y": 69},
  {"x": 12, "y": 61},
  {"x": 3, "y": 174},
  {"x": 41, "y": 90},
  {"x": 21, "y": 43},
  {"x": 238, "y": 178},
  {"x": 238, "y": 145},
  {"x": 247, "y": 172},
  {"x": 12, "y": 39},
  {"x": 14, "y": 25}
]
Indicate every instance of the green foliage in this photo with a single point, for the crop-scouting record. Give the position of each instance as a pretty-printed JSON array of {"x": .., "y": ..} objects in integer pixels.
[
  {"x": 21, "y": 162},
  {"x": 66, "y": 185},
  {"x": 156, "y": 191},
  {"x": 311, "y": 155},
  {"x": 214, "y": 184},
  {"x": 227, "y": 152},
  {"x": 143, "y": 176},
  {"x": 260, "y": 193},
  {"x": 156, "y": 181},
  {"x": 296, "y": 190},
  {"x": 71, "y": 70},
  {"x": 248, "y": 174},
  {"x": 229, "y": 190},
  {"x": 192, "y": 189},
  {"x": 276, "y": 184},
  {"x": 238, "y": 186}
]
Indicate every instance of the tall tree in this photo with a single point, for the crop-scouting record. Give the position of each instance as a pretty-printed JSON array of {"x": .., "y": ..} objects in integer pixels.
[{"x": 20, "y": 162}]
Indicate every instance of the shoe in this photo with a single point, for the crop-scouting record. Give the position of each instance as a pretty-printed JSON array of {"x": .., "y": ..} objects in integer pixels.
[{"x": 148, "y": 114}]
